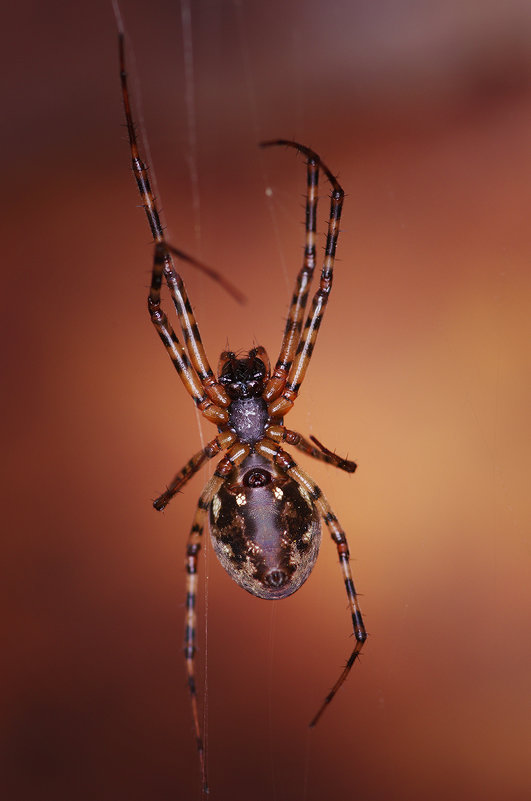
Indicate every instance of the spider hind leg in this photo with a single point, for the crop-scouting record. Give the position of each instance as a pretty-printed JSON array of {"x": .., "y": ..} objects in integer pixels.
[{"x": 272, "y": 451}]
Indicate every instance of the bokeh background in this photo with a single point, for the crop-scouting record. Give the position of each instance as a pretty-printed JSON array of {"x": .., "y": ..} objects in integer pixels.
[{"x": 421, "y": 374}]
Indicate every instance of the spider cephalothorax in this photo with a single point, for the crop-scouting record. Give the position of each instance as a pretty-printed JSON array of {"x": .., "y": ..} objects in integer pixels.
[{"x": 263, "y": 510}]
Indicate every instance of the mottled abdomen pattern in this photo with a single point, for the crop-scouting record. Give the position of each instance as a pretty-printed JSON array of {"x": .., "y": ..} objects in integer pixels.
[{"x": 265, "y": 529}]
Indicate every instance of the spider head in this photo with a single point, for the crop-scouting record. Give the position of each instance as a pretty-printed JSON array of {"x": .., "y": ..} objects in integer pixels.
[{"x": 244, "y": 378}]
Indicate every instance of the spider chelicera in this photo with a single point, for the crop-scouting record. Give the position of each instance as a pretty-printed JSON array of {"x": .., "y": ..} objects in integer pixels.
[{"x": 263, "y": 510}]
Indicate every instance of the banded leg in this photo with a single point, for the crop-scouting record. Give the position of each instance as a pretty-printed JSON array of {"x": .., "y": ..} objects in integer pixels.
[
  {"x": 192, "y": 339},
  {"x": 283, "y": 404},
  {"x": 272, "y": 451},
  {"x": 176, "y": 351},
  {"x": 221, "y": 442},
  {"x": 237, "y": 454},
  {"x": 299, "y": 299},
  {"x": 196, "y": 352},
  {"x": 141, "y": 173},
  {"x": 162, "y": 261},
  {"x": 196, "y": 359},
  {"x": 140, "y": 169},
  {"x": 283, "y": 434},
  {"x": 163, "y": 264}
]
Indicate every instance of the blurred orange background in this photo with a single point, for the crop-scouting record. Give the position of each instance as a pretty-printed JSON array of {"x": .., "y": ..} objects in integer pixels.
[{"x": 421, "y": 374}]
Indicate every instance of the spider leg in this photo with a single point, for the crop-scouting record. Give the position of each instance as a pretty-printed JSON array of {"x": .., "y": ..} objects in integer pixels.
[
  {"x": 192, "y": 338},
  {"x": 141, "y": 173},
  {"x": 272, "y": 451},
  {"x": 303, "y": 354},
  {"x": 293, "y": 329},
  {"x": 163, "y": 265},
  {"x": 223, "y": 441},
  {"x": 225, "y": 466},
  {"x": 282, "y": 434},
  {"x": 177, "y": 353},
  {"x": 140, "y": 169}
]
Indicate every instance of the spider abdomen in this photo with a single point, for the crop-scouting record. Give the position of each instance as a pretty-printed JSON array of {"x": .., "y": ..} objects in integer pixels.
[{"x": 265, "y": 529}]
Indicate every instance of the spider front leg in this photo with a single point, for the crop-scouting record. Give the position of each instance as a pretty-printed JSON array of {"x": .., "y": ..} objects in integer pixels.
[
  {"x": 189, "y": 326},
  {"x": 272, "y": 451},
  {"x": 225, "y": 467},
  {"x": 292, "y": 332},
  {"x": 282, "y": 434},
  {"x": 215, "y": 412},
  {"x": 283, "y": 404},
  {"x": 192, "y": 365}
]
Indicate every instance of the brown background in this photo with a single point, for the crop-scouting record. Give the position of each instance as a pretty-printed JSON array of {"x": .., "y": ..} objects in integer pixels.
[{"x": 421, "y": 374}]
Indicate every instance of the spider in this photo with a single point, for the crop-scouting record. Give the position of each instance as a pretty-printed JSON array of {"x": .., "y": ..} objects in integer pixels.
[{"x": 263, "y": 510}]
